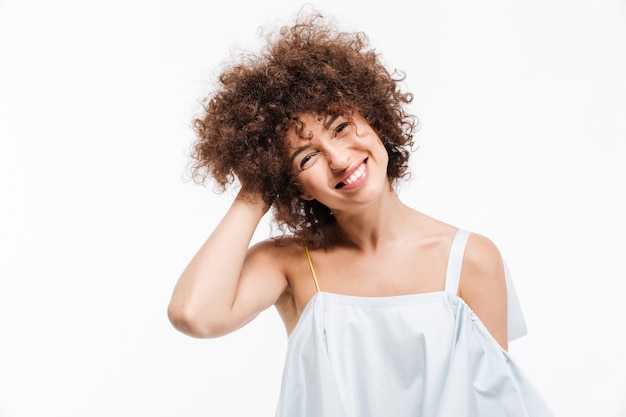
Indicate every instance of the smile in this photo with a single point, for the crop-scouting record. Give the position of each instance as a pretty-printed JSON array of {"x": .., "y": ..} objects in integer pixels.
[{"x": 356, "y": 175}]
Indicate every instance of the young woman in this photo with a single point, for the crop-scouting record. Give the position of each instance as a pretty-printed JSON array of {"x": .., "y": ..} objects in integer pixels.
[{"x": 389, "y": 312}]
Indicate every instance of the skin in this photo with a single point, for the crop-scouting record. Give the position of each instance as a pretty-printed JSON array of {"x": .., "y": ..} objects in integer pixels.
[{"x": 385, "y": 248}]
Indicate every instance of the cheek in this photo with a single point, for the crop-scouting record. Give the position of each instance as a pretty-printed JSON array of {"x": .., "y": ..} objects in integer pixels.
[
  {"x": 385, "y": 157},
  {"x": 306, "y": 183},
  {"x": 302, "y": 181},
  {"x": 382, "y": 153}
]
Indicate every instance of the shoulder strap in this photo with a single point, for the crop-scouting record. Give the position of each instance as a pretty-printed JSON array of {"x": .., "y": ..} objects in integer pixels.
[
  {"x": 308, "y": 256},
  {"x": 455, "y": 261},
  {"x": 515, "y": 319}
]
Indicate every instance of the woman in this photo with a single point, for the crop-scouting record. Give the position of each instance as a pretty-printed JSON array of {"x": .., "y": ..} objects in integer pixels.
[{"x": 389, "y": 312}]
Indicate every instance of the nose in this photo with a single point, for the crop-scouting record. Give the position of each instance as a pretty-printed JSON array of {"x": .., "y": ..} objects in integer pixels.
[{"x": 338, "y": 156}]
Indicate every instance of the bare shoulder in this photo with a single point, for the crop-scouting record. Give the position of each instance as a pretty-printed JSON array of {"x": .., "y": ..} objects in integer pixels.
[
  {"x": 482, "y": 255},
  {"x": 276, "y": 249},
  {"x": 483, "y": 269},
  {"x": 267, "y": 264},
  {"x": 483, "y": 285},
  {"x": 272, "y": 257},
  {"x": 278, "y": 256}
]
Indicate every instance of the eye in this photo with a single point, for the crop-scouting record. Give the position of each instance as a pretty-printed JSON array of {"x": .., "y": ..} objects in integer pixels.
[
  {"x": 341, "y": 127},
  {"x": 307, "y": 160}
]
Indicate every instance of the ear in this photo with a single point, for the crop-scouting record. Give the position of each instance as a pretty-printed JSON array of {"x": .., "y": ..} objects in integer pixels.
[
  {"x": 304, "y": 196},
  {"x": 307, "y": 197}
]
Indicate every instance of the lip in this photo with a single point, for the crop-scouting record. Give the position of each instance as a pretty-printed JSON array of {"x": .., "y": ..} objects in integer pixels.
[{"x": 340, "y": 184}]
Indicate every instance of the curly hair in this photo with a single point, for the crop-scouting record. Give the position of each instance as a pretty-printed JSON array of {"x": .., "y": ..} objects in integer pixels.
[{"x": 310, "y": 67}]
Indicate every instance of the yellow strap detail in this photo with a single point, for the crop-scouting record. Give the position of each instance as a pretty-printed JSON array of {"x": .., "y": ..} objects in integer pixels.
[{"x": 308, "y": 256}]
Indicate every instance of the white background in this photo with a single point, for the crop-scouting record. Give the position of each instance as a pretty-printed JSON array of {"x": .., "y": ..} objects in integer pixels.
[{"x": 523, "y": 106}]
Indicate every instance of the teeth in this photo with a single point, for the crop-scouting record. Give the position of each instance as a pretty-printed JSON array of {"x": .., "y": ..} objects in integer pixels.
[{"x": 355, "y": 175}]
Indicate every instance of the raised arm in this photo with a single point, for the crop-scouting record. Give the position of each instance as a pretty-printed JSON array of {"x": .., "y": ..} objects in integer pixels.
[{"x": 226, "y": 285}]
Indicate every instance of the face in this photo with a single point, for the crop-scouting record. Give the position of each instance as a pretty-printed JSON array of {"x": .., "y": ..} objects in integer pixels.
[{"x": 339, "y": 161}]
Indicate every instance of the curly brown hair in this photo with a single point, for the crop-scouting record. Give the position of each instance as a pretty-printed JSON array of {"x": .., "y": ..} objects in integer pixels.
[{"x": 310, "y": 67}]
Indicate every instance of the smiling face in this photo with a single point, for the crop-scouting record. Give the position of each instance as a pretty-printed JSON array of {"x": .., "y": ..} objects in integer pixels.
[{"x": 338, "y": 160}]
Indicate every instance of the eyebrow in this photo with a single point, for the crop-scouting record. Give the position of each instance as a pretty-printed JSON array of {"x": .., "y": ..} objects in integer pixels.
[
  {"x": 297, "y": 152},
  {"x": 301, "y": 149},
  {"x": 330, "y": 121}
]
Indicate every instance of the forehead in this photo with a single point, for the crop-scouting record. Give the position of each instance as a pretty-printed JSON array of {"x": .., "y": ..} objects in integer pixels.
[
  {"x": 310, "y": 120},
  {"x": 303, "y": 125}
]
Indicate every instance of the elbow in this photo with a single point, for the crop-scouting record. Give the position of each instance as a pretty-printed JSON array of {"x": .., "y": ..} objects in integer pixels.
[{"x": 194, "y": 324}]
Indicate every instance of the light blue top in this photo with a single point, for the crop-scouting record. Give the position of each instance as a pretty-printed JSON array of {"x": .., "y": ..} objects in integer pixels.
[{"x": 419, "y": 355}]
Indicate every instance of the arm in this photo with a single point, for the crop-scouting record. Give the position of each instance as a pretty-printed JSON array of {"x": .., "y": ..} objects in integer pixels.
[
  {"x": 483, "y": 286},
  {"x": 226, "y": 285}
]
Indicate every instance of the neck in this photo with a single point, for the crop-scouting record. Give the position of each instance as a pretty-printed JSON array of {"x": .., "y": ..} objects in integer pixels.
[{"x": 370, "y": 226}]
